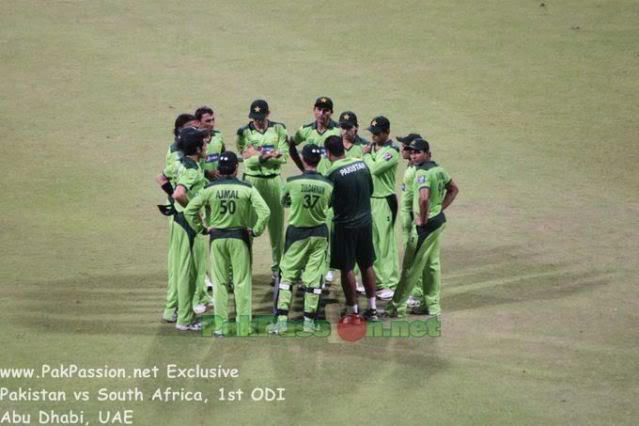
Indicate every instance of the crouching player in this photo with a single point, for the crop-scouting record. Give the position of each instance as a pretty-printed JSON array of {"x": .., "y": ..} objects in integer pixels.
[
  {"x": 231, "y": 203},
  {"x": 308, "y": 196}
]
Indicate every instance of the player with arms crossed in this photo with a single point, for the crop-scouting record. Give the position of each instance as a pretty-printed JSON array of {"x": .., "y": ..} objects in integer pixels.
[
  {"x": 263, "y": 144},
  {"x": 231, "y": 204},
  {"x": 382, "y": 158},
  {"x": 308, "y": 196},
  {"x": 433, "y": 192}
]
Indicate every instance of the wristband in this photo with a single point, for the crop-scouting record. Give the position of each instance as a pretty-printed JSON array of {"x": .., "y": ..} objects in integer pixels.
[{"x": 168, "y": 188}]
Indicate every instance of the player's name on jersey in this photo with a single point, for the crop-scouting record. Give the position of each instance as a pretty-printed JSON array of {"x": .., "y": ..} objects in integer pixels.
[
  {"x": 315, "y": 189},
  {"x": 226, "y": 194}
]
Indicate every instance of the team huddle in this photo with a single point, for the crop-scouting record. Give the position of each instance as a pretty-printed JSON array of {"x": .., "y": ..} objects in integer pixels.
[{"x": 342, "y": 214}]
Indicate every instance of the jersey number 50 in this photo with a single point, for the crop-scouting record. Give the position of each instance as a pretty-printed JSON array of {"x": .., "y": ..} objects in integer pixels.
[{"x": 227, "y": 206}]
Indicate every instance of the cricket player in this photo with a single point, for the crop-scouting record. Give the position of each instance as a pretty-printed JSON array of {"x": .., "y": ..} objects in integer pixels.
[
  {"x": 353, "y": 142},
  {"x": 352, "y": 239},
  {"x": 406, "y": 207},
  {"x": 382, "y": 159},
  {"x": 263, "y": 144},
  {"x": 308, "y": 196},
  {"x": 166, "y": 180},
  {"x": 231, "y": 203},
  {"x": 316, "y": 132},
  {"x": 215, "y": 145},
  {"x": 433, "y": 192},
  {"x": 189, "y": 248}
]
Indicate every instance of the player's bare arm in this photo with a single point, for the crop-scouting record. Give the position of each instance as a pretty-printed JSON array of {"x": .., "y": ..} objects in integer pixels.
[
  {"x": 180, "y": 195},
  {"x": 451, "y": 192},
  {"x": 295, "y": 156},
  {"x": 424, "y": 193}
]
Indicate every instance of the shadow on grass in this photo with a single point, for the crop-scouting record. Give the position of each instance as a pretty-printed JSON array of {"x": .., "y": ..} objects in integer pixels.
[{"x": 132, "y": 304}]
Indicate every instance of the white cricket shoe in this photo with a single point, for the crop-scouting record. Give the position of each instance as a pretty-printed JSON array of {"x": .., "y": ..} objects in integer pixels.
[
  {"x": 360, "y": 287},
  {"x": 199, "y": 309},
  {"x": 329, "y": 276},
  {"x": 194, "y": 326},
  {"x": 413, "y": 302},
  {"x": 385, "y": 294}
]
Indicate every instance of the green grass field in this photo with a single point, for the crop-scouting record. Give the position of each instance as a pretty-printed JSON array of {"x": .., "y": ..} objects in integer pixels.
[{"x": 531, "y": 108}]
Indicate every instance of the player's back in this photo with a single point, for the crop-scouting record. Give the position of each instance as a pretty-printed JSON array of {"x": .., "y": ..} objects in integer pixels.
[
  {"x": 352, "y": 189},
  {"x": 228, "y": 203},
  {"x": 308, "y": 195}
]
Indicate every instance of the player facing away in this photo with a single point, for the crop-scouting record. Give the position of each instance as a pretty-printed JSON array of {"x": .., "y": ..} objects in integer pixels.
[
  {"x": 189, "y": 247},
  {"x": 166, "y": 180},
  {"x": 308, "y": 196},
  {"x": 406, "y": 208},
  {"x": 215, "y": 145},
  {"x": 352, "y": 239},
  {"x": 433, "y": 191},
  {"x": 353, "y": 145},
  {"x": 382, "y": 159},
  {"x": 231, "y": 203},
  {"x": 263, "y": 144},
  {"x": 353, "y": 142}
]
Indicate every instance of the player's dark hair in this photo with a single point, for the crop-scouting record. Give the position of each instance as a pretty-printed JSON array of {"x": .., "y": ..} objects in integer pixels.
[
  {"x": 180, "y": 121},
  {"x": 227, "y": 170},
  {"x": 189, "y": 145},
  {"x": 312, "y": 161},
  {"x": 334, "y": 145},
  {"x": 201, "y": 111}
]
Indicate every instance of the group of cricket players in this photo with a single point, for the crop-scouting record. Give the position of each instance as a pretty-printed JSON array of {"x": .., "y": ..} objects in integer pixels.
[{"x": 342, "y": 213}]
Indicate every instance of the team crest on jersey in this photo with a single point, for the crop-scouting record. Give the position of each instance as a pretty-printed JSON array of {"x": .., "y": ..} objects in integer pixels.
[
  {"x": 420, "y": 179},
  {"x": 388, "y": 156},
  {"x": 402, "y": 187},
  {"x": 323, "y": 150},
  {"x": 211, "y": 158}
]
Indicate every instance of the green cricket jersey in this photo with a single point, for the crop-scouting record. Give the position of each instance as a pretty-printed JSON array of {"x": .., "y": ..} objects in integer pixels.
[
  {"x": 406, "y": 206},
  {"x": 213, "y": 151},
  {"x": 274, "y": 137},
  {"x": 190, "y": 175},
  {"x": 352, "y": 189},
  {"x": 355, "y": 151},
  {"x": 309, "y": 134},
  {"x": 308, "y": 195},
  {"x": 382, "y": 162},
  {"x": 229, "y": 203},
  {"x": 170, "y": 162},
  {"x": 430, "y": 175}
]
